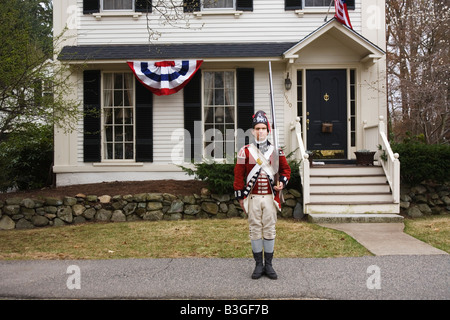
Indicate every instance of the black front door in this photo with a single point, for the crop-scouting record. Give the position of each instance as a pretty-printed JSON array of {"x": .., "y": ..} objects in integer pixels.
[{"x": 326, "y": 113}]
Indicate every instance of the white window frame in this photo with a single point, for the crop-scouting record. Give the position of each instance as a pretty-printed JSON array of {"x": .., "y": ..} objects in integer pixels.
[
  {"x": 227, "y": 157},
  {"x": 117, "y": 10},
  {"x": 103, "y": 125}
]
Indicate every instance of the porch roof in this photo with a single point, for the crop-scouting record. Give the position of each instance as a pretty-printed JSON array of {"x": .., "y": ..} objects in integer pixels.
[
  {"x": 368, "y": 51},
  {"x": 221, "y": 51}
]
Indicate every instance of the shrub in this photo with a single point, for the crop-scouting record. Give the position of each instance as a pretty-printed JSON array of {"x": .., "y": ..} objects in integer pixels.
[
  {"x": 26, "y": 158},
  {"x": 419, "y": 161},
  {"x": 220, "y": 177}
]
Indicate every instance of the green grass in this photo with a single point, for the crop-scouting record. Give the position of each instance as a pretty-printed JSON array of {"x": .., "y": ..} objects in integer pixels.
[
  {"x": 220, "y": 238},
  {"x": 434, "y": 230}
]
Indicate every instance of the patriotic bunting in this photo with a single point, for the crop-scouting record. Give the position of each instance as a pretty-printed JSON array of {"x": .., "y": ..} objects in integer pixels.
[
  {"x": 342, "y": 13},
  {"x": 165, "y": 77}
]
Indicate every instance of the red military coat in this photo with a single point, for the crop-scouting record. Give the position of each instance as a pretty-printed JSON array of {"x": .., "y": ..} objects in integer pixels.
[{"x": 243, "y": 184}]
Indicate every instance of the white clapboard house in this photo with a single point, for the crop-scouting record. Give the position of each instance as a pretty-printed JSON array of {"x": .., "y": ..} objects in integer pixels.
[{"x": 329, "y": 84}]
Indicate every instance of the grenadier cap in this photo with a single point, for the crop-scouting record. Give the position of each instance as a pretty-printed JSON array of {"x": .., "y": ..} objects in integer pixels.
[{"x": 260, "y": 117}]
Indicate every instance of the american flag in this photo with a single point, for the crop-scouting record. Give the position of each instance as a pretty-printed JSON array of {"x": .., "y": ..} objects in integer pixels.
[{"x": 342, "y": 13}]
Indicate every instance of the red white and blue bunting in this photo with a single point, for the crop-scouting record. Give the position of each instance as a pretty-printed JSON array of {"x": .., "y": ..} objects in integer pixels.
[{"x": 165, "y": 77}]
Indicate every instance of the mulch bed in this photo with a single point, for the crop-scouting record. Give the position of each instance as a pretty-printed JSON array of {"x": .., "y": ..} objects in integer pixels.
[{"x": 176, "y": 187}]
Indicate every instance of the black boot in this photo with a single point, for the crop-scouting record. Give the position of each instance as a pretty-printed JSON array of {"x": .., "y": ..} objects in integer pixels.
[
  {"x": 268, "y": 269},
  {"x": 259, "y": 268}
]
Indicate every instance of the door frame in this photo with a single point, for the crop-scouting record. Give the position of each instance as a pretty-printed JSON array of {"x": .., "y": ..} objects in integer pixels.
[{"x": 351, "y": 145}]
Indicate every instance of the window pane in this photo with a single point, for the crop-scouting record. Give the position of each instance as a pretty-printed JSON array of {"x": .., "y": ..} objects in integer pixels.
[
  {"x": 108, "y": 116},
  {"x": 317, "y": 3},
  {"x": 118, "y": 98},
  {"x": 118, "y": 151},
  {"x": 129, "y": 151},
  {"x": 109, "y": 151},
  {"x": 219, "y": 97},
  {"x": 229, "y": 115},
  {"x": 109, "y": 133},
  {"x": 128, "y": 116},
  {"x": 117, "y": 4},
  {"x": 218, "y": 4},
  {"x": 209, "y": 114},
  {"x": 129, "y": 134}
]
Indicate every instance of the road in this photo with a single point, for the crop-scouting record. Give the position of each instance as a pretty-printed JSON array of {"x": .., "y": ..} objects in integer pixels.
[{"x": 398, "y": 277}]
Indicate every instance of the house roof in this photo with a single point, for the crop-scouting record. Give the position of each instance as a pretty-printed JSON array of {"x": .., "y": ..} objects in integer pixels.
[{"x": 174, "y": 51}]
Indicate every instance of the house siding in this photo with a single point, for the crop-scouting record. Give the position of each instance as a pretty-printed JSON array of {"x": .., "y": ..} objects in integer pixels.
[{"x": 269, "y": 21}]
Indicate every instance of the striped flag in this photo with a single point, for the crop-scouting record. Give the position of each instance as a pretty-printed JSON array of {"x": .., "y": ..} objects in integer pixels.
[
  {"x": 165, "y": 77},
  {"x": 342, "y": 13}
]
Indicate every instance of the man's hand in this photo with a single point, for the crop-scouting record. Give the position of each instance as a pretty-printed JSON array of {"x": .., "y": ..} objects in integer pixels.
[
  {"x": 279, "y": 187},
  {"x": 241, "y": 202}
]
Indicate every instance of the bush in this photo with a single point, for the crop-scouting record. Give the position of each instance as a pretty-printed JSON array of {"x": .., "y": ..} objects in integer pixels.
[
  {"x": 220, "y": 177},
  {"x": 419, "y": 161},
  {"x": 26, "y": 158}
]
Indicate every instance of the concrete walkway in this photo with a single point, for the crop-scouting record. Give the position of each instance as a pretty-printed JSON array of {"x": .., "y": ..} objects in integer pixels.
[{"x": 384, "y": 238}]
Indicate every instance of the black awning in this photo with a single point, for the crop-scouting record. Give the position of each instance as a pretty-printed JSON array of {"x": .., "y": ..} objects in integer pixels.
[{"x": 174, "y": 51}]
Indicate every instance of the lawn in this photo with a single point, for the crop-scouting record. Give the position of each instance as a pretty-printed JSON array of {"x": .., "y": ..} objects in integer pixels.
[{"x": 219, "y": 238}]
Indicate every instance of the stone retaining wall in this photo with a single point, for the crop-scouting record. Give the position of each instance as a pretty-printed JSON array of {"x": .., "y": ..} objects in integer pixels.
[
  {"x": 425, "y": 199},
  {"x": 18, "y": 213}
]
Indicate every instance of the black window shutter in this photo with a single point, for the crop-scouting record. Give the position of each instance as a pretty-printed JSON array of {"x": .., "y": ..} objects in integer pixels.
[
  {"x": 351, "y": 4},
  {"x": 144, "y": 123},
  {"x": 191, "y": 5},
  {"x": 91, "y": 6},
  {"x": 245, "y": 98},
  {"x": 91, "y": 114},
  {"x": 244, "y": 5},
  {"x": 292, "y": 4},
  {"x": 143, "y": 6},
  {"x": 192, "y": 95}
]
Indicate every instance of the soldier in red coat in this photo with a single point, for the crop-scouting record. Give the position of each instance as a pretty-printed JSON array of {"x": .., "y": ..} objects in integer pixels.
[{"x": 258, "y": 195}]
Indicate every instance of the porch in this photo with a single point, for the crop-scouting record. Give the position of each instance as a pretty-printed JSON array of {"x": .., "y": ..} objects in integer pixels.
[{"x": 347, "y": 192}]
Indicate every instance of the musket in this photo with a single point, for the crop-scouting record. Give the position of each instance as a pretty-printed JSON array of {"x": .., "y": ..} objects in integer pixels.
[{"x": 276, "y": 154}]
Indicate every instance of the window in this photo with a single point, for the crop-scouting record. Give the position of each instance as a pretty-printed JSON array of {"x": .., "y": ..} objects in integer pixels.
[
  {"x": 317, "y": 3},
  {"x": 353, "y": 107},
  {"x": 118, "y": 116},
  {"x": 219, "y": 114},
  {"x": 218, "y": 4},
  {"x": 118, "y": 5},
  {"x": 300, "y": 97}
]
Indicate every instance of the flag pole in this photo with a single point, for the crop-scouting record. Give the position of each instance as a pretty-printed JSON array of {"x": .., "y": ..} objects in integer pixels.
[
  {"x": 276, "y": 155},
  {"x": 329, "y": 7}
]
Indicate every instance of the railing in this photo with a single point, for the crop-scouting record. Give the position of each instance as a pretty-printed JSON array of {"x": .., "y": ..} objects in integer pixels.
[
  {"x": 385, "y": 156},
  {"x": 302, "y": 156}
]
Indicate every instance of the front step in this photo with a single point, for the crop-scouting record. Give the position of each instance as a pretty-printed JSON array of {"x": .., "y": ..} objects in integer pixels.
[
  {"x": 349, "y": 189},
  {"x": 355, "y": 218}
]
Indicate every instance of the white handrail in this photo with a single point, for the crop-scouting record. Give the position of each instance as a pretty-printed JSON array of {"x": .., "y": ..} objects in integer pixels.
[
  {"x": 389, "y": 162},
  {"x": 304, "y": 170}
]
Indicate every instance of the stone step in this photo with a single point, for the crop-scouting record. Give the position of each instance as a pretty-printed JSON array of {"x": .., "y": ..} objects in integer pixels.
[
  {"x": 350, "y": 188},
  {"x": 352, "y": 208},
  {"x": 339, "y": 179},
  {"x": 369, "y": 197},
  {"x": 355, "y": 218}
]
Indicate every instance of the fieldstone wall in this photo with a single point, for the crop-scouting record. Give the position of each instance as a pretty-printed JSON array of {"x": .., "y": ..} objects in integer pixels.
[
  {"x": 18, "y": 213},
  {"x": 425, "y": 199}
]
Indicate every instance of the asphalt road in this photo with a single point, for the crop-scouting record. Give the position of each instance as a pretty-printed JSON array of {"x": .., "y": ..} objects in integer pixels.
[{"x": 405, "y": 277}]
